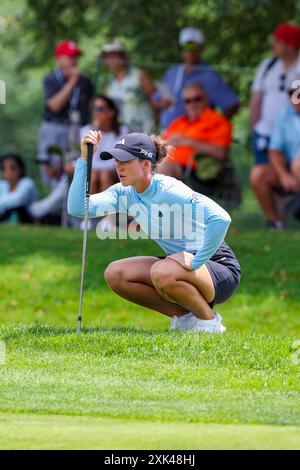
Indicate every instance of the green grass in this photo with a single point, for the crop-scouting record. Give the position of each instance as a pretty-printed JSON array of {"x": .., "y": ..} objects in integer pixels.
[
  {"x": 40, "y": 279},
  {"x": 128, "y": 382},
  {"x": 79, "y": 432}
]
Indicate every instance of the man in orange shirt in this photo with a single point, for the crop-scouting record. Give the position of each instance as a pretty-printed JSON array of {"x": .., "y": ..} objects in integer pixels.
[{"x": 200, "y": 131}]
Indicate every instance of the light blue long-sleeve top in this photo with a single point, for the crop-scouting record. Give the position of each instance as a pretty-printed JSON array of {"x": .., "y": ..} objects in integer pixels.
[
  {"x": 168, "y": 212},
  {"x": 24, "y": 194}
]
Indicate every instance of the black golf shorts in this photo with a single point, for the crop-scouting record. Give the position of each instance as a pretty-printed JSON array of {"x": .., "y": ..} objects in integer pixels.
[{"x": 225, "y": 272}]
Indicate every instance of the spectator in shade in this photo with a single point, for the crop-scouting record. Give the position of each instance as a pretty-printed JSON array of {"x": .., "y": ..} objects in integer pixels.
[
  {"x": 17, "y": 191},
  {"x": 169, "y": 98},
  {"x": 67, "y": 95},
  {"x": 131, "y": 89},
  {"x": 283, "y": 171},
  {"x": 269, "y": 96},
  {"x": 201, "y": 130},
  {"x": 48, "y": 211},
  {"x": 105, "y": 118}
]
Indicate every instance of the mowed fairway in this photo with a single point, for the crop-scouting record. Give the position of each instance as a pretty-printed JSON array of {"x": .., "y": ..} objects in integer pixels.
[{"x": 128, "y": 382}]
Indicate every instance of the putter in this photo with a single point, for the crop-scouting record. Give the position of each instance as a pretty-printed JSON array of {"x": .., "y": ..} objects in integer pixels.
[{"x": 86, "y": 214}]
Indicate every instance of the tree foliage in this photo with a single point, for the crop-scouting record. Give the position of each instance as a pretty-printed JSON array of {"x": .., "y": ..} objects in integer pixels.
[
  {"x": 236, "y": 31},
  {"x": 236, "y": 39}
]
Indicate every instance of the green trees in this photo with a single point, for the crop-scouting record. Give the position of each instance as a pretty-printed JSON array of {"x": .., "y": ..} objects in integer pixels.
[{"x": 236, "y": 32}]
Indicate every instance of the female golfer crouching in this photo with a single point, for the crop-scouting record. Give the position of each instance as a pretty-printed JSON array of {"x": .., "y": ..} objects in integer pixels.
[{"x": 199, "y": 270}]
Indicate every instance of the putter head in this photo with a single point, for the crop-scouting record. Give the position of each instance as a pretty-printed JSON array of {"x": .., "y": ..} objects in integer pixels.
[{"x": 78, "y": 326}]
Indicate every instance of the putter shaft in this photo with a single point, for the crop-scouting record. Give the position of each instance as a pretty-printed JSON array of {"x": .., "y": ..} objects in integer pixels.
[{"x": 86, "y": 220}]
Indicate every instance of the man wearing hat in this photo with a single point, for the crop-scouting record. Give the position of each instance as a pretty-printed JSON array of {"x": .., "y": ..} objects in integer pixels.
[
  {"x": 169, "y": 99},
  {"x": 67, "y": 95},
  {"x": 269, "y": 96}
]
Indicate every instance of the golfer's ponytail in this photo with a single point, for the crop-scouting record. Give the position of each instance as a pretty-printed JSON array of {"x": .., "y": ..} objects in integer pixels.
[{"x": 162, "y": 149}]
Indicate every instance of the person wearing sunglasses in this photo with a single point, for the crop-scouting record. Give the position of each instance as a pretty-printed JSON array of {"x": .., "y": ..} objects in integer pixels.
[
  {"x": 168, "y": 98},
  {"x": 201, "y": 130},
  {"x": 17, "y": 191},
  {"x": 282, "y": 174}
]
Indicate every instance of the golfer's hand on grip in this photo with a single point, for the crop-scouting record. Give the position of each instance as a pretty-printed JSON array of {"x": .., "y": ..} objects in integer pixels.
[{"x": 91, "y": 137}]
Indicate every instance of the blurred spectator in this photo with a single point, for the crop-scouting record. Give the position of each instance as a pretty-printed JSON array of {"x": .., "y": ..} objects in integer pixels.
[
  {"x": 130, "y": 88},
  {"x": 169, "y": 98},
  {"x": 16, "y": 190},
  {"x": 269, "y": 91},
  {"x": 49, "y": 209},
  {"x": 201, "y": 130},
  {"x": 67, "y": 95},
  {"x": 283, "y": 172},
  {"x": 106, "y": 118}
]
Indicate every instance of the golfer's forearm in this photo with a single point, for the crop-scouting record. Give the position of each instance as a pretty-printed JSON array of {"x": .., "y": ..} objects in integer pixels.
[
  {"x": 101, "y": 204},
  {"x": 214, "y": 234},
  {"x": 76, "y": 196}
]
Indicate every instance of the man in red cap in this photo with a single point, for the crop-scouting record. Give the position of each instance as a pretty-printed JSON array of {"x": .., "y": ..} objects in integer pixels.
[
  {"x": 67, "y": 95},
  {"x": 269, "y": 95}
]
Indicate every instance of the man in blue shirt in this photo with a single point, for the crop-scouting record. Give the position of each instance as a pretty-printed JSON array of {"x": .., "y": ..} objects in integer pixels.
[
  {"x": 283, "y": 172},
  {"x": 193, "y": 70}
]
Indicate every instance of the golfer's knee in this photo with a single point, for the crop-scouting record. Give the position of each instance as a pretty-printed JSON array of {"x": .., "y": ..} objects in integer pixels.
[
  {"x": 114, "y": 275},
  {"x": 162, "y": 278}
]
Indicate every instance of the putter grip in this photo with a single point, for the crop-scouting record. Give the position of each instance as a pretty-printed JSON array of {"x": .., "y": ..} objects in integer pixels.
[{"x": 89, "y": 170}]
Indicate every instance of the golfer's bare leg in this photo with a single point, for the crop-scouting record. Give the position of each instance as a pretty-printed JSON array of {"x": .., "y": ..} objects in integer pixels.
[
  {"x": 191, "y": 289},
  {"x": 131, "y": 279}
]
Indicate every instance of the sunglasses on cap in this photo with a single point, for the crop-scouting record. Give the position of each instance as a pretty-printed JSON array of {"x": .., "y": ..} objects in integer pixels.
[
  {"x": 100, "y": 109},
  {"x": 190, "y": 46},
  {"x": 195, "y": 99}
]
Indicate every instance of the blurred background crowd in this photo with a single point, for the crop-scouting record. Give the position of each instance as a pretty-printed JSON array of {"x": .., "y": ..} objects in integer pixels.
[{"x": 191, "y": 105}]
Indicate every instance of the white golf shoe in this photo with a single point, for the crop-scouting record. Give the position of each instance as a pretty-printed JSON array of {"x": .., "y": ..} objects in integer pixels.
[
  {"x": 210, "y": 326},
  {"x": 190, "y": 322},
  {"x": 184, "y": 322}
]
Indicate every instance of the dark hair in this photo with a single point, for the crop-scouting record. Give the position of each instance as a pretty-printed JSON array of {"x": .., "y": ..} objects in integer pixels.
[
  {"x": 162, "y": 149},
  {"x": 112, "y": 105},
  {"x": 17, "y": 159}
]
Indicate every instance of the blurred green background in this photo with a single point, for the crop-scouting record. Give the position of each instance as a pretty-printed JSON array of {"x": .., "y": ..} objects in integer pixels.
[{"x": 237, "y": 36}]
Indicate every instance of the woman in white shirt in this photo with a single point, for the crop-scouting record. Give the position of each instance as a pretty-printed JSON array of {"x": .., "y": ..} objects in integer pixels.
[
  {"x": 17, "y": 191},
  {"x": 105, "y": 117},
  {"x": 131, "y": 88}
]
